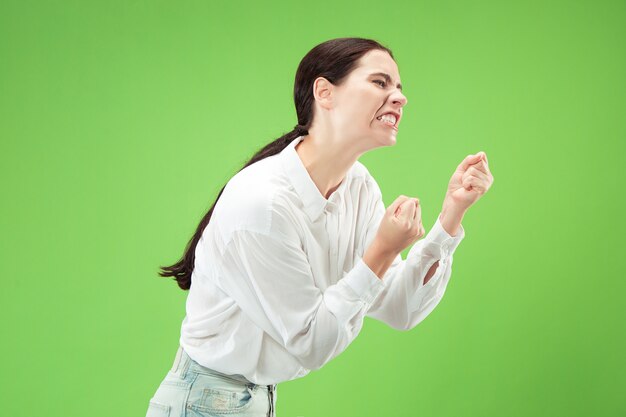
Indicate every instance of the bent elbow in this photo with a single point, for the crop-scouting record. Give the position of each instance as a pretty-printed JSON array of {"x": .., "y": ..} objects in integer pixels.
[{"x": 313, "y": 350}]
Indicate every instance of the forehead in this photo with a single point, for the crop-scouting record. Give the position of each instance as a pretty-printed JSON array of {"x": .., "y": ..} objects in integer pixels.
[{"x": 377, "y": 61}]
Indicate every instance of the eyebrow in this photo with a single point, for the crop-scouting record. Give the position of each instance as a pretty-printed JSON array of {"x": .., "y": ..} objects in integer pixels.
[{"x": 387, "y": 77}]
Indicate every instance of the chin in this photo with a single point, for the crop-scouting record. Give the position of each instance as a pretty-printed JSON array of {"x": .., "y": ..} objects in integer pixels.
[
  {"x": 390, "y": 139},
  {"x": 379, "y": 139},
  {"x": 383, "y": 141}
]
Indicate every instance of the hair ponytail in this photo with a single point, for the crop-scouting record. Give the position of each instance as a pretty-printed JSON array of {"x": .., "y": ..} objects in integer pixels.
[
  {"x": 181, "y": 270},
  {"x": 333, "y": 60}
]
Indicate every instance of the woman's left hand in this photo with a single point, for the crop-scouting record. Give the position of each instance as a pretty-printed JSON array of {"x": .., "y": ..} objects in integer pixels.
[{"x": 471, "y": 180}]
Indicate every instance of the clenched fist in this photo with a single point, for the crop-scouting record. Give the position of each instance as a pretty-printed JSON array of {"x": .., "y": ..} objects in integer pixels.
[
  {"x": 471, "y": 180},
  {"x": 401, "y": 225}
]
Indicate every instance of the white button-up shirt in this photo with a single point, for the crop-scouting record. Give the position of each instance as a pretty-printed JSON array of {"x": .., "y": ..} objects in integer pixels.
[{"x": 279, "y": 287}]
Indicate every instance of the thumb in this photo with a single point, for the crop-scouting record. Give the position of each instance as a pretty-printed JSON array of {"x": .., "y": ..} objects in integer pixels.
[
  {"x": 470, "y": 160},
  {"x": 397, "y": 202},
  {"x": 407, "y": 209}
]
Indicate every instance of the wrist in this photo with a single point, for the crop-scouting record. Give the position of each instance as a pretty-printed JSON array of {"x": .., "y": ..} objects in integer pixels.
[
  {"x": 449, "y": 205},
  {"x": 451, "y": 217},
  {"x": 378, "y": 258},
  {"x": 381, "y": 250}
]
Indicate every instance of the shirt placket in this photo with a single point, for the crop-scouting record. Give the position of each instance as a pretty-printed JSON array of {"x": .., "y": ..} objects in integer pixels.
[{"x": 331, "y": 228}]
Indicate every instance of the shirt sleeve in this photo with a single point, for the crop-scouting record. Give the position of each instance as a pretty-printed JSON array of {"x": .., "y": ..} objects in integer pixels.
[
  {"x": 406, "y": 301},
  {"x": 271, "y": 280}
]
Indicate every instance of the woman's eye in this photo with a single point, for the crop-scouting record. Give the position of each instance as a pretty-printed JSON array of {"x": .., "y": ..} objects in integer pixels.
[{"x": 381, "y": 82}]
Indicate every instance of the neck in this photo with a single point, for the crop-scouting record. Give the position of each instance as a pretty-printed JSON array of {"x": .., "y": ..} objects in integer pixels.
[{"x": 327, "y": 161}]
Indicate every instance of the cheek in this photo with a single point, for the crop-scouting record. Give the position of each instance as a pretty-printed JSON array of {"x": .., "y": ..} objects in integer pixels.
[
  {"x": 361, "y": 106},
  {"x": 367, "y": 105}
]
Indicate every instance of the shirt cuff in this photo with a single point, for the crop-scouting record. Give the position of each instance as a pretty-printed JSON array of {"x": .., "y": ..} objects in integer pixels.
[
  {"x": 364, "y": 282},
  {"x": 438, "y": 242},
  {"x": 439, "y": 235}
]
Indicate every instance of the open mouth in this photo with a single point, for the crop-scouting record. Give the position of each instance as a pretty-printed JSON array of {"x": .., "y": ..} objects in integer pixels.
[{"x": 388, "y": 120}]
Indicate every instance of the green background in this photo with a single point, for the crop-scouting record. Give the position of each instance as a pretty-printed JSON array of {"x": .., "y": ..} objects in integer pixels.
[{"x": 121, "y": 120}]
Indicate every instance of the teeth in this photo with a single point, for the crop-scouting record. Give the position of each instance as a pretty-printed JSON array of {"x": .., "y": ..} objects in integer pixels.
[{"x": 388, "y": 118}]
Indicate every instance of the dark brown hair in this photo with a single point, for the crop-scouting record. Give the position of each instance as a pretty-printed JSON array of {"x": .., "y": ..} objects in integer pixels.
[{"x": 333, "y": 60}]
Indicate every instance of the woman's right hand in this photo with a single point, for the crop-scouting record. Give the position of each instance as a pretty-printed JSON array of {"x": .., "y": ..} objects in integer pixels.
[{"x": 401, "y": 225}]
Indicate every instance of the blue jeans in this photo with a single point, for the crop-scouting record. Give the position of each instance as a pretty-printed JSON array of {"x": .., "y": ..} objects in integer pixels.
[{"x": 190, "y": 389}]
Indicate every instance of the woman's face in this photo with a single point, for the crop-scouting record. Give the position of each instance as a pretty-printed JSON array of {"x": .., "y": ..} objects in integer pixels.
[{"x": 364, "y": 97}]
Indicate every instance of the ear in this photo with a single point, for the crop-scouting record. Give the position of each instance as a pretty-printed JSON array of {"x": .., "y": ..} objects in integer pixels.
[{"x": 322, "y": 91}]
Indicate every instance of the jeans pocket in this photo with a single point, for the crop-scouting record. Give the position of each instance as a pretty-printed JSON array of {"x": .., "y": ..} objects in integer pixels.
[
  {"x": 156, "y": 409},
  {"x": 213, "y": 395}
]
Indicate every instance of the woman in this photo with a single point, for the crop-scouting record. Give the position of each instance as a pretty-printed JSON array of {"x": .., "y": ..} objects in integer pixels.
[{"x": 300, "y": 247}]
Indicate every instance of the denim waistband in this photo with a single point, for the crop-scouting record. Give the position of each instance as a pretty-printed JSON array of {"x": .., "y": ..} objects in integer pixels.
[{"x": 183, "y": 363}]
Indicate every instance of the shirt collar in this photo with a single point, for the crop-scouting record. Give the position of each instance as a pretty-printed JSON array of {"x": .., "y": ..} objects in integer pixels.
[{"x": 313, "y": 201}]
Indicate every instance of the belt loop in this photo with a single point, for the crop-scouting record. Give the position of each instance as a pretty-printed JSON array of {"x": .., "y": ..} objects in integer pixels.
[
  {"x": 272, "y": 411},
  {"x": 179, "y": 354}
]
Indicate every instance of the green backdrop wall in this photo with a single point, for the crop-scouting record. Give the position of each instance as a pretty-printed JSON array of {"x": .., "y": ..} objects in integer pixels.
[{"x": 121, "y": 120}]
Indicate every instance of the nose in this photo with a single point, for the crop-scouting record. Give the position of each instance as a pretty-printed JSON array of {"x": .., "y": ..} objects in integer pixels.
[{"x": 397, "y": 98}]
